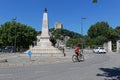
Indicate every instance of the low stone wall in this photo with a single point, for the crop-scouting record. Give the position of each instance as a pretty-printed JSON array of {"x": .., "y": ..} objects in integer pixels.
[
  {"x": 45, "y": 54},
  {"x": 45, "y": 51}
]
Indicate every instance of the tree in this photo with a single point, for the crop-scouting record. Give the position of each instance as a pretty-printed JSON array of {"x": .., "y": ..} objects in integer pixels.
[
  {"x": 101, "y": 32},
  {"x": 25, "y": 35},
  {"x": 94, "y": 1},
  {"x": 117, "y": 29},
  {"x": 53, "y": 40},
  {"x": 60, "y": 35},
  {"x": 57, "y": 33},
  {"x": 112, "y": 35},
  {"x": 98, "y": 29},
  {"x": 117, "y": 35},
  {"x": 73, "y": 42}
]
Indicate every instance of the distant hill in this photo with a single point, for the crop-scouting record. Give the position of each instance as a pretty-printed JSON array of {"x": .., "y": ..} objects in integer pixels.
[{"x": 64, "y": 32}]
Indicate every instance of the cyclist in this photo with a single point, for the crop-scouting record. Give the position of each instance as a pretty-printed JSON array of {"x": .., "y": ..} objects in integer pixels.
[{"x": 77, "y": 49}]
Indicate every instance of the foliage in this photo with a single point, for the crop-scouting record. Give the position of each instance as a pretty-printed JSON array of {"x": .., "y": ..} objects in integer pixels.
[
  {"x": 117, "y": 30},
  {"x": 61, "y": 33},
  {"x": 94, "y": 1},
  {"x": 53, "y": 40},
  {"x": 98, "y": 33},
  {"x": 73, "y": 42},
  {"x": 25, "y": 35},
  {"x": 57, "y": 33},
  {"x": 100, "y": 28},
  {"x": 113, "y": 35},
  {"x": 101, "y": 32}
]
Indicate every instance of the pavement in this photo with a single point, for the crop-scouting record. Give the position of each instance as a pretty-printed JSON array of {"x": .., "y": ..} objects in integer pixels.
[
  {"x": 95, "y": 67},
  {"x": 14, "y": 59}
]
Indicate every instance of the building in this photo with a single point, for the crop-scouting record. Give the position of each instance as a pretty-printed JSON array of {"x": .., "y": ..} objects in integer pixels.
[{"x": 58, "y": 25}]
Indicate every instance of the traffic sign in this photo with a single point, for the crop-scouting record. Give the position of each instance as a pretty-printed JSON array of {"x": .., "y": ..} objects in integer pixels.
[{"x": 29, "y": 52}]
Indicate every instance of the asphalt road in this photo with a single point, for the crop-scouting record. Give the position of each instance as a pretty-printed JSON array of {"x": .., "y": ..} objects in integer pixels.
[{"x": 96, "y": 67}]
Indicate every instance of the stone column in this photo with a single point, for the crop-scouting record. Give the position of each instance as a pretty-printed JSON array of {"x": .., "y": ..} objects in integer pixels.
[
  {"x": 108, "y": 46},
  {"x": 45, "y": 30},
  {"x": 43, "y": 40},
  {"x": 118, "y": 46}
]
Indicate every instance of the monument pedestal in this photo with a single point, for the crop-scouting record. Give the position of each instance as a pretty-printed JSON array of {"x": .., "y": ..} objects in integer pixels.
[{"x": 46, "y": 51}]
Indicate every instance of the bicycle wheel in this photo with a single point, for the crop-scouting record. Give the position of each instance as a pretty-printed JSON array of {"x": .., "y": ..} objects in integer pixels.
[
  {"x": 74, "y": 58},
  {"x": 81, "y": 58}
]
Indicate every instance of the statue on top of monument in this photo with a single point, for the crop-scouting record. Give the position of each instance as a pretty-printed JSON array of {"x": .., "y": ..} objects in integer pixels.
[{"x": 45, "y": 10}]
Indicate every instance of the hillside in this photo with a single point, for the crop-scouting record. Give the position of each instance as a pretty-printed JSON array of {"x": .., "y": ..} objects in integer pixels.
[
  {"x": 63, "y": 37},
  {"x": 64, "y": 32}
]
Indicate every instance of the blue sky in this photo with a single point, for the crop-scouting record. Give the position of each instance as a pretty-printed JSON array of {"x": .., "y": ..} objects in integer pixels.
[{"x": 69, "y": 12}]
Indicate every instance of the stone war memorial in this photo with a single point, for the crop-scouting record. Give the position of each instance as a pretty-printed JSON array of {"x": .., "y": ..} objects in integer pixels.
[{"x": 44, "y": 46}]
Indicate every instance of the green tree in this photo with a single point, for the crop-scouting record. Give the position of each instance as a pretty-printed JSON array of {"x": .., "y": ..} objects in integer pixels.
[
  {"x": 117, "y": 29},
  {"x": 113, "y": 34},
  {"x": 61, "y": 33},
  {"x": 101, "y": 32},
  {"x": 100, "y": 40},
  {"x": 73, "y": 42},
  {"x": 116, "y": 36},
  {"x": 94, "y": 1},
  {"x": 53, "y": 40},
  {"x": 98, "y": 29},
  {"x": 25, "y": 35}
]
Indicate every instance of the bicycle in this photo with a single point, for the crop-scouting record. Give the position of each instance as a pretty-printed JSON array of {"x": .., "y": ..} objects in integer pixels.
[{"x": 76, "y": 59}]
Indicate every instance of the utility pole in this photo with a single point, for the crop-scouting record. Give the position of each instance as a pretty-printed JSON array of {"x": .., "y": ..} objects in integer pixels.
[
  {"x": 14, "y": 21},
  {"x": 82, "y": 32}
]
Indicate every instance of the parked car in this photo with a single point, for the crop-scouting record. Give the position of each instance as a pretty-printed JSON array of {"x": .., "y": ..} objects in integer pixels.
[
  {"x": 9, "y": 49},
  {"x": 0, "y": 49},
  {"x": 68, "y": 47},
  {"x": 99, "y": 50}
]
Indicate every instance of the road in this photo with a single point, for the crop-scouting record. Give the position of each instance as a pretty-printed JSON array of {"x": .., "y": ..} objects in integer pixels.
[{"x": 96, "y": 67}]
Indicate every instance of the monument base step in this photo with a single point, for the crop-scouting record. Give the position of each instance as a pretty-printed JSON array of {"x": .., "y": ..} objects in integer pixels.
[{"x": 45, "y": 54}]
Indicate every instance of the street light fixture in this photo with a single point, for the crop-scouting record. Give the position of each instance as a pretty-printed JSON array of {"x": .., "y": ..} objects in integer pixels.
[
  {"x": 82, "y": 31},
  {"x": 14, "y": 21}
]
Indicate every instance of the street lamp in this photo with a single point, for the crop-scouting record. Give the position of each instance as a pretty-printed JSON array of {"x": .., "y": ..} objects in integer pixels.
[
  {"x": 14, "y": 21},
  {"x": 82, "y": 31}
]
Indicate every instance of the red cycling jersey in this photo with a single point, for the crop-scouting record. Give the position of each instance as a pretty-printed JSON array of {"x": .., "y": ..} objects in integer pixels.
[{"x": 77, "y": 50}]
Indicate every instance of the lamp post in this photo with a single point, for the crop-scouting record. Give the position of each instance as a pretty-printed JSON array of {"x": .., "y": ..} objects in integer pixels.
[
  {"x": 14, "y": 21},
  {"x": 82, "y": 31}
]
